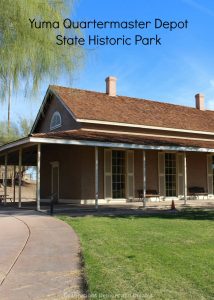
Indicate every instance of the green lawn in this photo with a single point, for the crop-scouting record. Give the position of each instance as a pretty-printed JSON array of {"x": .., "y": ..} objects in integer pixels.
[{"x": 151, "y": 257}]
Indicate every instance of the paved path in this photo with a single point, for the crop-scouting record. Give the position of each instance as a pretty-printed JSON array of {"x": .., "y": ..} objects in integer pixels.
[{"x": 39, "y": 257}]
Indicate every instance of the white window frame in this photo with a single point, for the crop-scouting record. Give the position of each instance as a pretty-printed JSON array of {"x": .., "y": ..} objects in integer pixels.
[
  {"x": 176, "y": 175},
  {"x": 55, "y": 114},
  {"x": 126, "y": 175},
  {"x": 125, "y": 180},
  {"x": 163, "y": 174}
]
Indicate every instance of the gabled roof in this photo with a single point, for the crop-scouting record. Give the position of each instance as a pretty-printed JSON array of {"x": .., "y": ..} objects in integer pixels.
[{"x": 97, "y": 106}]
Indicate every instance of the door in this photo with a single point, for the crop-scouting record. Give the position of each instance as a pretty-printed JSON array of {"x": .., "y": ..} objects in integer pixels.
[{"x": 55, "y": 181}]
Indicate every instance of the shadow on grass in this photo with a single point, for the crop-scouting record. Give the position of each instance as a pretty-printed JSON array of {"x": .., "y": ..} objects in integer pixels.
[{"x": 186, "y": 213}]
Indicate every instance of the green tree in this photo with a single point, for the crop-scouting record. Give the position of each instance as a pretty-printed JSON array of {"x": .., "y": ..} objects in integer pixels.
[
  {"x": 25, "y": 126},
  {"x": 16, "y": 131},
  {"x": 31, "y": 55},
  {"x": 8, "y": 136}
]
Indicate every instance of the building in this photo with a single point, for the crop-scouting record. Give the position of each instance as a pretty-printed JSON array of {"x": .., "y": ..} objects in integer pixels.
[{"x": 92, "y": 147}]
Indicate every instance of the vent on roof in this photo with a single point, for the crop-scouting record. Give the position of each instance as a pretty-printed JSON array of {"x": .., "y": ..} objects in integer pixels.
[
  {"x": 199, "y": 101},
  {"x": 111, "y": 88}
]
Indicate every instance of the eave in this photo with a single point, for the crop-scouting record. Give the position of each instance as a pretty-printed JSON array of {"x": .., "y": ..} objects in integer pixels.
[{"x": 30, "y": 141}]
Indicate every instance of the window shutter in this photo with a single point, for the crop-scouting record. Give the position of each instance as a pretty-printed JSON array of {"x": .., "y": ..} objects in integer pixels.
[
  {"x": 180, "y": 164},
  {"x": 161, "y": 173},
  {"x": 210, "y": 174},
  {"x": 130, "y": 174},
  {"x": 108, "y": 174}
]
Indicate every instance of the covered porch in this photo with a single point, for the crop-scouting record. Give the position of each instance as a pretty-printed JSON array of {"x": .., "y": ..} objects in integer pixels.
[{"x": 101, "y": 170}]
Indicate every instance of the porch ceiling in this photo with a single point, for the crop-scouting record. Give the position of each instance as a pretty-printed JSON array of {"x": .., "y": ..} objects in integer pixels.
[{"x": 29, "y": 157}]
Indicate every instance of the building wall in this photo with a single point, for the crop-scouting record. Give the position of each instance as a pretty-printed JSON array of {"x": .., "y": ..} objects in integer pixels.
[
  {"x": 87, "y": 172},
  {"x": 152, "y": 170},
  {"x": 197, "y": 170},
  {"x": 138, "y": 171},
  {"x": 77, "y": 171},
  {"x": 150, "y": 132},
  {"x": 69, "y": 158},
  {"x": 53, "y": 104}
]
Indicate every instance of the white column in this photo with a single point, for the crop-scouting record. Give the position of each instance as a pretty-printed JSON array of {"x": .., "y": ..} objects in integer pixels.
[
  {"x": 144, "y": 179},
  {"x": 20, "y": 178},
  {"x": 96, "y": 178},
  {"x": 185, "y": 178},
  {"x": 14, "y": 183},
  {"x": 5, "y": 179},
  {"x": 38, "y": 176}
]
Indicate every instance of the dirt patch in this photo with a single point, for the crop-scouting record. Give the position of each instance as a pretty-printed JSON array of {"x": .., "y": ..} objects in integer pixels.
[{"x": 28, "y": 191}]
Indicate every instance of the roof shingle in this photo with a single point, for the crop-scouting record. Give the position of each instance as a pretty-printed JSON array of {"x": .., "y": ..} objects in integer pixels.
[{"x": 100, "y": 106}]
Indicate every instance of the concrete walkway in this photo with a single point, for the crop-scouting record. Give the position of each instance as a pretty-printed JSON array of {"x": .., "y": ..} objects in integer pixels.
[{"x": 39, "y": 257}]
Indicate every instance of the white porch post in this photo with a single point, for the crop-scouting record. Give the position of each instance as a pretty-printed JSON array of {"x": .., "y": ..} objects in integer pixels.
[
  {"x": 38, "y": 176},
  {"x": 20, "y": 178},
  {"x": 96, "y": 178},
  {"x": 144, "y": 179},
  {"x": 5, "y": 179},
  {"x": 185, "y": 178},
  {"x": 14, "y": 183}
]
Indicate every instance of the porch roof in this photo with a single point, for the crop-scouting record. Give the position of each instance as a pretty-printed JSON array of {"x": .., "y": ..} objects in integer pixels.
[
  {"x": 108, "y": 139},
  {"x": 130, "y": 139}
]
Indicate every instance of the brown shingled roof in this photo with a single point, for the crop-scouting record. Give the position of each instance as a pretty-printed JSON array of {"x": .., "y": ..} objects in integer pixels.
[
  {"x": 81, "y": 134},
  {"x": 100, "y": 106}
]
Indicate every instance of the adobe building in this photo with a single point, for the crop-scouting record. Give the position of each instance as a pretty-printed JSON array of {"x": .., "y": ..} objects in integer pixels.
[{"x": 92, "y": 147}]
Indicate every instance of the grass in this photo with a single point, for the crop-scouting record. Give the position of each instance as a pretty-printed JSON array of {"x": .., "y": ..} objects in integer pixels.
[{"x": 149, "y": 257}]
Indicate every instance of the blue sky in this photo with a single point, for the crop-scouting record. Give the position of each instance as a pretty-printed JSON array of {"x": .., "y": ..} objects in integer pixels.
[{"x": 173, "y": 72}]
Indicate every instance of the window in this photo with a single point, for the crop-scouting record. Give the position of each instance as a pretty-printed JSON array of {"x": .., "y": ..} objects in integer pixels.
[
  {"x": 118, "y": 174},
  {"x": 170, "y": 174},
  {"x": 56, "y": 121}
]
